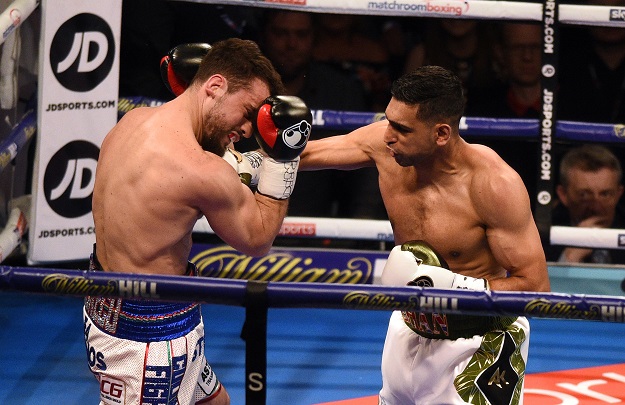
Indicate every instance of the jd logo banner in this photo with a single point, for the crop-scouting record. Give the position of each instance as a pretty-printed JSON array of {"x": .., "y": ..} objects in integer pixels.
[
  {"x": 82, "y": 52},
  {"x": 69, "y": 179}
]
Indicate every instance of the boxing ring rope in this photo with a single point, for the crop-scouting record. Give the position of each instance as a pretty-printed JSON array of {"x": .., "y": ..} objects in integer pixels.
[
  {"x": 17, "y": 138},
  {"x": 17, "y": 223},
  {"x": 381, "y": 230},
  {"x": 257, "y": 297},
  {"x": 14, "y": 15},
  {"x": 359, "y": 229},
  {"x": 80, "y": 283},
  {"x": 469, "y": 126},
  {"x": 474, "y": 9}
]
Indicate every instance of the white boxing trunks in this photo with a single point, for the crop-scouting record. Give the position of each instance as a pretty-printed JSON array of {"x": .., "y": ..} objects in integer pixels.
[
  {"x": 147, "y": 352},
  {"x": 483, "y": 369},
  {"x": 143, "y": 354}
]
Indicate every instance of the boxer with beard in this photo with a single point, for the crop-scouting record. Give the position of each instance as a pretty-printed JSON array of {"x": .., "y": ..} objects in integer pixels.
[{"x": 160, "y": 169}]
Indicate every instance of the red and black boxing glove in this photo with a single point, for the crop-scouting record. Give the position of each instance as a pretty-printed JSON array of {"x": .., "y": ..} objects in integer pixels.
[
  {"x": 283, "y": 125},
  {"x": 180, "y": 65},
  {"x": 282, "y": 128}
]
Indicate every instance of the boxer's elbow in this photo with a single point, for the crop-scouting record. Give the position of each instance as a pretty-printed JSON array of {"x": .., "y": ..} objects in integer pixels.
[
  {"x": 542, "y": 285},
  {"x": 538, "y": 280},
  {"x": 521, "y": 283},
  {"x": 258, "y": 251},
  {"x": 256, "y": 247}
]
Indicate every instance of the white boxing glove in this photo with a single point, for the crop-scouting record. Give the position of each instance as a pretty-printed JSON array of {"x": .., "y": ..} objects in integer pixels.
[
  {"x": 246, "y": 164},
  {"x": 416, "y": 263}
]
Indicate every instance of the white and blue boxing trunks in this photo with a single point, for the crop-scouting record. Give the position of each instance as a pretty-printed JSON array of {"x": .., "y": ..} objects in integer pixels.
[
  {"x": 147, "y": 352},
  {"x": 422, "y": 363}
]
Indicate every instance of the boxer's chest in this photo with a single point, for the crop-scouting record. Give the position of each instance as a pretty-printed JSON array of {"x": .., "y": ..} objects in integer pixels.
[{"x": 442, "y": 216}]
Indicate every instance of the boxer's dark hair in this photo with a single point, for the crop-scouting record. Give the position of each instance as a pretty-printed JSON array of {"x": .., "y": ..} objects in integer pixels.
[
  {"x": 239, "y": 61},
  {"x": 437, "y": 91}
]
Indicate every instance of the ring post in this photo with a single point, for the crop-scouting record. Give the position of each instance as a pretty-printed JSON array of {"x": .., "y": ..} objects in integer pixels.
[
  {"x": 546, "y": 136},
  {"x": 254, "y": 334}
]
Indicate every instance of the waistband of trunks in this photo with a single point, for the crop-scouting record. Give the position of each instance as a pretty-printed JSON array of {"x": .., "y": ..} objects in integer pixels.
[
  {"x": 454, "y": 326},
  {"x": 142, "y": 320}
]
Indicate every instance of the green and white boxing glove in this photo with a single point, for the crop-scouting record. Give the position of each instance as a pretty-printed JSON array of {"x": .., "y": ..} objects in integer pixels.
[{"x": 416, "y": 263}]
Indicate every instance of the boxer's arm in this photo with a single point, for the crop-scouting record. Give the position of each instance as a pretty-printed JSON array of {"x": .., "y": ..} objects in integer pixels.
[
  {"x": 503, "y": 203},
  {"x": 345, "y": 152},
  {"x": 249, "y": 222}
]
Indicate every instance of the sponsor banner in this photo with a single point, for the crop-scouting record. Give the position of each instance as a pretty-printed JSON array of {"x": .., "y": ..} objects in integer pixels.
[
  {"x": 78, "y": 92},
  {"x": 407, "y": 8},
  {"x": 290, "y": 264},
  {"x": 584, "y": 14}
]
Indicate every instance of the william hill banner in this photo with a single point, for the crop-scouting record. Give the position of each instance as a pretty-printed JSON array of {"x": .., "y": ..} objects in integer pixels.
[
  {"x": 289, "y": 264},
  {"x": 78, "y": 92}
]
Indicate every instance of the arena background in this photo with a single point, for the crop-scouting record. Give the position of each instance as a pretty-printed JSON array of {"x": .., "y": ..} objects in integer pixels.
[{"x": 313, "y": 355}]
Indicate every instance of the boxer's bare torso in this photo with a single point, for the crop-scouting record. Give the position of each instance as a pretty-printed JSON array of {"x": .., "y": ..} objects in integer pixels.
[
  {"x": 143, "y": 223},
  {"x": 461, "y": 198},
  {"x": 154, "y": 181}
]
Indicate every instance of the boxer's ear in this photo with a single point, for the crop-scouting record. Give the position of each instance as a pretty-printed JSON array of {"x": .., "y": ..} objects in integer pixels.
[
  {"x": 443, "y": 133},
  {"x": 216, "y": 86}
]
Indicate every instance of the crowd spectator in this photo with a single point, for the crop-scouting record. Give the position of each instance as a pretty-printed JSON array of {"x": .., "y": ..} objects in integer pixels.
[
  {"x": 589, "y": 189},
  {"x": 463, "y": 46},
  {"x": 592, "y": 79},
  {"x": 517, "y": 93},
  {"x": 287, "y": 38},
  {"x": 342, "y": 41},
  {"x": 399, "y": 35},
  {"x": 518, "y": 52}
]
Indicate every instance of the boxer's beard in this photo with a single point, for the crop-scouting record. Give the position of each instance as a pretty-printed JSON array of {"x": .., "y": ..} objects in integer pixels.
[
  {"x": 212, "y": 143},
  {"x": 215, "y": 131}
]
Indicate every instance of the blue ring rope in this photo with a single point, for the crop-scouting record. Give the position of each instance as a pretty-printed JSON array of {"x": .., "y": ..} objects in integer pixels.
[{"x": 314, "y": 295}]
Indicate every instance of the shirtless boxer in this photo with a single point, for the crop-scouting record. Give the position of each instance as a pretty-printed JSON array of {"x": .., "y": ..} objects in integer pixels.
[
  {"x": 474, "y": 210},
  {"x": 159, "y": 170}
]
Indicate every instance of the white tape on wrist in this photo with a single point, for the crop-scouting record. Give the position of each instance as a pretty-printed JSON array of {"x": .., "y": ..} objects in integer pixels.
[
  {"x": 277, "y": 179},
  {"x": 251, "y": 164},
  {"x": 246, "y": 164},
  {"x": 470, "y": 283}
]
